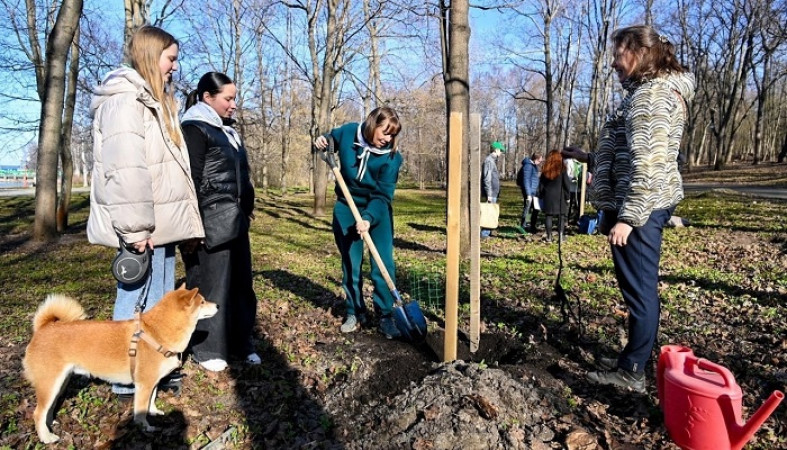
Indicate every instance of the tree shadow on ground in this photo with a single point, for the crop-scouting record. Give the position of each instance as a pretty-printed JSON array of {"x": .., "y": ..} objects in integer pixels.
[
  {"x": 279, "y": 403},
  {"x": 24, "y": 211},
  {"x": 763, "y": 298},
  {"x": 426, "y": 228},
  {"x": 303, "y": 288},
  {"x": 288, "y": 217},
  {"x": 410, "y": 245}
]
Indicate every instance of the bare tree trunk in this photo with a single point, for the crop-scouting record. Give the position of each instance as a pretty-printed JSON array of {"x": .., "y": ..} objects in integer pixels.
[
  {"x": 731, "y": 79},
  {"x": 237, "y": 60},
  {"x": 783, "y": 152},
  {"x": 455, "y": 40},
  {"x": 58, "y": 44},
  {"x": 371, "y": 93},
  {"x": 287, "y": 94},
  {"x": 137, "y": 14},
  {"x": 604, "y": 12},
  {"x": 649, "y": 12},
  {"x": 321, "y": 108},
  {"x": 67, "y": 162}
]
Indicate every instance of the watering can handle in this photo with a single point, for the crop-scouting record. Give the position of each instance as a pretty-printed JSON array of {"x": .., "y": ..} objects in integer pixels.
[
  {"x": 729, "y": 379},
  {"x": 327, "y": 156}
]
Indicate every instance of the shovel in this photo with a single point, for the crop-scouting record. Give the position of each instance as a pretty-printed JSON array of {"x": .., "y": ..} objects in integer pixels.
[{"x": 408, "y": 317}]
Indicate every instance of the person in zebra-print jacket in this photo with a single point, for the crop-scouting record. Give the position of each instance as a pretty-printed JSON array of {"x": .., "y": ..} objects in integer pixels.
[{"x": 637, "y": 184}]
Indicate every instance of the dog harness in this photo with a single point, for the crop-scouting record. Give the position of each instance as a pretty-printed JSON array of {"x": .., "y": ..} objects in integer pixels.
[{"x": 140, "y": 333}]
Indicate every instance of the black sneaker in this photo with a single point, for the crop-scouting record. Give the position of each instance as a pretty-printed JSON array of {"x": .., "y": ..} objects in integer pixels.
[
  {"x": 607, "y": 363},
  {"x": 621, "y": 378},
  {"x": 172, "y": 382}
]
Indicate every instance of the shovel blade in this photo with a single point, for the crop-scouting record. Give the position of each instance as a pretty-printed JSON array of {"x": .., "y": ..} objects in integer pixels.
[{"x": 410, "y": 321}]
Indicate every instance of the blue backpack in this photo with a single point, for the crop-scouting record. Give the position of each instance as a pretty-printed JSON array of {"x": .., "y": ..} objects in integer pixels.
[{"x": 589, "y": 222}]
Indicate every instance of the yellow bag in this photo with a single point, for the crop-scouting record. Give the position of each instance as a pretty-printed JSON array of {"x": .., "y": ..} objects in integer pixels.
[{"x": 490, "y": 212}]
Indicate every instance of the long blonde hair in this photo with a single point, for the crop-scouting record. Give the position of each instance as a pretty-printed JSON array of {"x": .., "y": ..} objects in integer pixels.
[{"x": 144, "y": 52}]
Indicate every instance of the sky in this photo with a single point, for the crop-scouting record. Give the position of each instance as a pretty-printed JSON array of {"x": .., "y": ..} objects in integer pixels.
[{"x": 14, "y": 142}]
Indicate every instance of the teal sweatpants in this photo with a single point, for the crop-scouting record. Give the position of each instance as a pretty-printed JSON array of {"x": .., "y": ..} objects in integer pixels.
[{"x": 350, "y": 247}]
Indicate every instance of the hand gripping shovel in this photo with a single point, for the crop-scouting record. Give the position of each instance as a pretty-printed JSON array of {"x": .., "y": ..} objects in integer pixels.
[{"x": 409, "y": 318}]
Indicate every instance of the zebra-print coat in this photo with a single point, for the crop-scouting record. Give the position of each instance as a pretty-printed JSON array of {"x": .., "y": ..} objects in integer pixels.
[{"x": 636, "y": 163}]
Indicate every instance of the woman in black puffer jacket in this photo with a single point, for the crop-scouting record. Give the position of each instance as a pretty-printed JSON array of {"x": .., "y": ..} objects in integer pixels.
[{"x": 221, "y": 264}]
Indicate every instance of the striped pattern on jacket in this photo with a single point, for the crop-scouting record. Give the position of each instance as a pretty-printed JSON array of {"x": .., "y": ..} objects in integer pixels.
[{"x": 636, "y": 162}]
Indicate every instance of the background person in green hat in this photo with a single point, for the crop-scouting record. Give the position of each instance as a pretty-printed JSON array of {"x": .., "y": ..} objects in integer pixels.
[{"x": 490, "y": 178}]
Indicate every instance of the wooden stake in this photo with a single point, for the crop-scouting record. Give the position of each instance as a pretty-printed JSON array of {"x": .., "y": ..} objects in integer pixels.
[
  {"x": 453, "y": 235},
  {"x": 475, "y": 231}
]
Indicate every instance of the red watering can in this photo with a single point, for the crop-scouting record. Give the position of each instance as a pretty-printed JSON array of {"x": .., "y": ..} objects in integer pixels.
[{"x": 702, "y": 403}]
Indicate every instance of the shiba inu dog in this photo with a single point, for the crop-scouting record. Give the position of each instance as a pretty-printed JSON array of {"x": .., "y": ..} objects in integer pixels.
[{"x": 124, "y": 352}]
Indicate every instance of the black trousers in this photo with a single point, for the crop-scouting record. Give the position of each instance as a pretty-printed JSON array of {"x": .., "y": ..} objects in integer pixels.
[
  {"x": 561, "y": 224},
  {"x": 223, "y": 276}
]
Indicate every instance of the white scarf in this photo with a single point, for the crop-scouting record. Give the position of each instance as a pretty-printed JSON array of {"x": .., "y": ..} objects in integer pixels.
[
  {"x": 364, "y": 156},
  {"x": 203, "y": 112}
]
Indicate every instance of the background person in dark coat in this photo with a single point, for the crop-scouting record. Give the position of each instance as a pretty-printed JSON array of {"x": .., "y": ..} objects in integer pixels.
[
  {"x": 554, "y": 188},
  {"x": 529, "y": 187}
]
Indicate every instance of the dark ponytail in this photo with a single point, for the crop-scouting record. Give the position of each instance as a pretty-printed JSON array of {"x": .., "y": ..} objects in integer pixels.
[{"x": 212, "y": 83}]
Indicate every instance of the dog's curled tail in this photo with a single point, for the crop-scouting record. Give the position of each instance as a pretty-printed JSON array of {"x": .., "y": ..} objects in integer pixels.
[{"x": 57, "y": 308}]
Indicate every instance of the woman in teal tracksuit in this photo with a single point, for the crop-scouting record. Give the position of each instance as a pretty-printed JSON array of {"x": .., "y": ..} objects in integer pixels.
[{"x": 370, "y": 165}]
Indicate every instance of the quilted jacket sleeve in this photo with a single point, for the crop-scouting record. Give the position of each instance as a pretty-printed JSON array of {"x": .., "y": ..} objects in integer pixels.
[{"x": 127, "y": 179}]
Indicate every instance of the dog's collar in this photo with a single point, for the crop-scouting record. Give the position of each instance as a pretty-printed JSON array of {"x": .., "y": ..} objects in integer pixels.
[{"x": 140, "y": 334}]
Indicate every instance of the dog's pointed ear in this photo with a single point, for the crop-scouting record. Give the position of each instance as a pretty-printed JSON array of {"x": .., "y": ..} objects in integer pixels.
[
  {"x": 182, "y": 286},
  {"x": 193, "y": 293}
]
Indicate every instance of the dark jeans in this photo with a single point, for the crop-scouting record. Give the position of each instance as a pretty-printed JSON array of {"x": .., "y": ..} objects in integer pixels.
[
  {"x": 223, "y": 276},
  {"x": 637, "y": 272},
  {"x": 529, "y": 214}
]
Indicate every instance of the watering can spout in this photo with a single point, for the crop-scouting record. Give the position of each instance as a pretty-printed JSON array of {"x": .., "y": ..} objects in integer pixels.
[{"x": 756, "y": 420}]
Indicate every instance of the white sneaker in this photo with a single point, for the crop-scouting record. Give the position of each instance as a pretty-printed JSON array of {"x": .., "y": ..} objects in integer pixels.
[
  {"x": 214, "y": 365},
  {"x": 253, "y": 359}
]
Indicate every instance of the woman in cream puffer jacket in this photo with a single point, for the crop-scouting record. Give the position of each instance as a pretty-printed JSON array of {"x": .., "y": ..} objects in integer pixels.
[
  {"x": 142, "y": 186},
  {"x": 142, "y": 190}
]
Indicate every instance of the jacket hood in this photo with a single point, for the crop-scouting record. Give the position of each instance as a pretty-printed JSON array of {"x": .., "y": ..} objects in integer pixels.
[
  {"x": 683, "y": 83},
  {"x": 202, "y": 112},
  {"x": 121, "y": 80}
]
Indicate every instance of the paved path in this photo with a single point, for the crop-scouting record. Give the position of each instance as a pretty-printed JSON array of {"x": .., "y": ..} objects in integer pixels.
[
  {"x": 757, "y": 191},
  {"x": 18, "y": 192}
]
